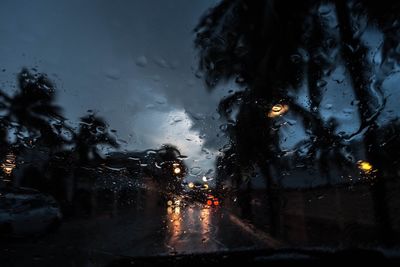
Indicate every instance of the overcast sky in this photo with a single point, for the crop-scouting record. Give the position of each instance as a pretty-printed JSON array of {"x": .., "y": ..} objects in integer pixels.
[{"x": 133, "y": 63}]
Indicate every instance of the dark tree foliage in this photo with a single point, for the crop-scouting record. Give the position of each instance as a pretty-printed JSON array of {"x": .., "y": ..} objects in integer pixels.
[
  {"x": 92, "y": 132},
  {"x": 272, "y": 48}
]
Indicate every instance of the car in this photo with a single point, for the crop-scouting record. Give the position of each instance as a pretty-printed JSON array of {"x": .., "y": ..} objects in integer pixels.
[
  {"x": 25, "y": 211},
  {"x": 201, "y": 192},
  {"x": 212, "y": 201}
]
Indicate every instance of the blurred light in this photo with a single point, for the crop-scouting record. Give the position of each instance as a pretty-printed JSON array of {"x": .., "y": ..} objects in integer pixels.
[
  {"x": 177, "y": 210},
  {"x": 9, "y": 164},
  {"x": 191, "y": 185},
  {"x": 365, "y": 166},
  {"x": 169, "y": 202},
  {"x": 169, "y": 210},
  {"x": 209, "y": 202},
  {"x": 177, "y": 170},
  {"x": 277, "y": 110},
  {"x": 206, "y": 186},
  {"x": 204, "y": 179},
  {"x": 216, "y": 202}
]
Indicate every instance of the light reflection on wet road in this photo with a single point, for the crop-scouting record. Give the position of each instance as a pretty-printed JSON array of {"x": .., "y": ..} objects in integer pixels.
[
  {"x": 191, "y": 230},
  {"x": 155, "y": 229}
]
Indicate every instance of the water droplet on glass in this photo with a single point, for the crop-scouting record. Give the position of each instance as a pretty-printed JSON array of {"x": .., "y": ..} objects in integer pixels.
[
  {"x": 239, "y": 79},
  {"x": 295, "y": 58},
  {"x": 161, "y": 63},
  {"x": 223, "y": 127},
  {"x": 348, "y": 111},
  {"x": 141, "y": 61},
  {"x": 216, "y": 116},
  {"x": 194, "y": 171},
  {"x": 324, "y": 10},
  {"x": 113, "y": 74},
  {"x": 321, "y": 83}
]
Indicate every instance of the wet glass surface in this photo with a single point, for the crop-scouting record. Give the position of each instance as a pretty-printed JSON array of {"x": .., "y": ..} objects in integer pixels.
[{"x": 168, "y": 128}]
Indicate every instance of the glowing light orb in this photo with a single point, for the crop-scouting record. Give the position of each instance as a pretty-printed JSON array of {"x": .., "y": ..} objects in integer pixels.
[
  {"x": 365, "y": 166},
  {"x": 277, "y": 110},
  {"x": 177, "y": 170}
]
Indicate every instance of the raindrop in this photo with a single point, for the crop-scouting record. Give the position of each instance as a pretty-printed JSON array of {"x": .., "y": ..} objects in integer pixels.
[
  {"x": 198, "y": 74},
  {"x": 291, "y": 122},
  {"x": 239, "y": 79},
  {"x": 321, "y": 83},
  {"x": 151, "y": 152},
  {"x": 161, "y": 63},
  {"x": 210, "y": 171},
  {"x": 328, "y": 106},
  {"x": 324, "y": 10},
  {"x": 225, "y": 148},
  {"x": 223, "y": 127},
  {"x": 113, "y": 74},
  {"x": 194, "y": 171},
  {"x": 176, "y": 120},
  {"x": 150, "y": 106},
  {"x": 141, "y": 61},
  {"x": 161, "y": 100},
  {"x": 216, "y": 116},
  {"x": 338, "y": 81},
  {"x": 348, "y": 111},
  {"x": 156, "y": 78},
  {"x": 198, "y": 116},
  {"x": 295, "y": 58}
]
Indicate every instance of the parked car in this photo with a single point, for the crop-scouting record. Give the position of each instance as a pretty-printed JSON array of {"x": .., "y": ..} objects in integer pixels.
[{"x": 25, "y": 211}]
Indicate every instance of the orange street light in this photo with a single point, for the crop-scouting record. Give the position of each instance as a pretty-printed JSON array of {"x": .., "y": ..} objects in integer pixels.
[{"x": 277, "y": 110}]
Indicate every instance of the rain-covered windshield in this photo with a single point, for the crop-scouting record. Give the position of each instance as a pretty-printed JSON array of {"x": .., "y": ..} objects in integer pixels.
[{"x": 152, "y": 128}]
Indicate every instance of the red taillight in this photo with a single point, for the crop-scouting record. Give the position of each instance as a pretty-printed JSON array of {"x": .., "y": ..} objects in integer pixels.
[
  {"x": 216, "y": 202},
  {"x": 209, "y": 202}
]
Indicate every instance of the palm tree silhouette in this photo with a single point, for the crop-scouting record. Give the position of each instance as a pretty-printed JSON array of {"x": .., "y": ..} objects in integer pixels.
[
  {"x": 259, "y": 44},
  {"x": 92, "y": 133},
  {"x": 32, "y": 109}
]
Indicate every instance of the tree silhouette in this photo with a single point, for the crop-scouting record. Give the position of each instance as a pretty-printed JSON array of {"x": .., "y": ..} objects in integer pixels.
[
  {"x": 32, "y": 116},
  {"x": 92, "y": 133},
  {"x": 260, "y": 44},
  {"x": 32, "y": 109}
]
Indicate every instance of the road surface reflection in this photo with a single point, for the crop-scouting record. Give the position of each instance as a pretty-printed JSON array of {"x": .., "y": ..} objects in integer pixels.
[{"x": 189, "y": 228}]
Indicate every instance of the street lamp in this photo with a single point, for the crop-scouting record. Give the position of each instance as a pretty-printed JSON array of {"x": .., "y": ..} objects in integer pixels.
[
  {"x": 9, "y": 164},
  {"x": 365, "y": 166},
  {"x": 277, "y": 110},
  {"x": 176, "y": 168}
]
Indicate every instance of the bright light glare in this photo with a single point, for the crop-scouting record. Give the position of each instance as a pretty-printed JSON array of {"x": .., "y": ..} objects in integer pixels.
[
  {"x": 277, "y": 110},
  {"x": 177, "y": 170},
  {"x": 365, "y": 166}
]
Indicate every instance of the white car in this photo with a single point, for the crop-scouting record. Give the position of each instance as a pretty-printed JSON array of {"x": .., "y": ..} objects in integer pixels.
[{"x": 25, "y": 211}]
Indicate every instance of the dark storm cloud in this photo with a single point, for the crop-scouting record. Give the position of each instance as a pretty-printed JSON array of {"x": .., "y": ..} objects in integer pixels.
[{"x": 119, "y": 58}]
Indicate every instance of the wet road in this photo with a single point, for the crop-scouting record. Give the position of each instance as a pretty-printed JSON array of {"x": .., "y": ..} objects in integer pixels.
[{"x": 152, "y": 229}]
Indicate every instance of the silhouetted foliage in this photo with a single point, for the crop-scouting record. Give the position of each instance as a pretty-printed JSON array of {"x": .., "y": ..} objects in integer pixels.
[
  {"x": 273, "y": 48},
  {"x": 92, "y": 132}
]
